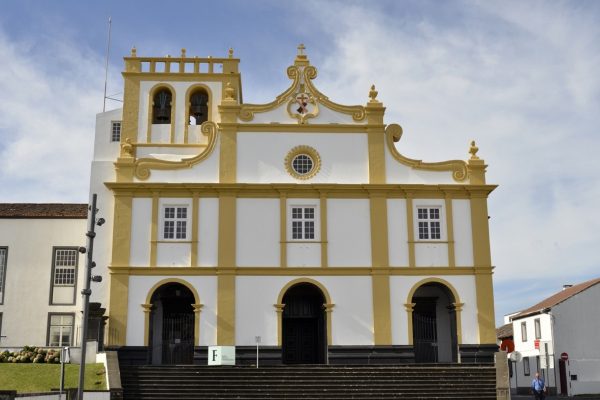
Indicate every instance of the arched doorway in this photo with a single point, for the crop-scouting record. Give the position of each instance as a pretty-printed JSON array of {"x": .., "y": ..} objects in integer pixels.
[
  {"x": 172, "y": 325},
  {"x": 304, "y": 328},
  {"x": 434, "y": 324}
]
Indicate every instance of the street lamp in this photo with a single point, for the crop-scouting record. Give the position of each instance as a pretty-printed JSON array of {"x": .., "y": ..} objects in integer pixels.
[{"x": 86, "y": 292}]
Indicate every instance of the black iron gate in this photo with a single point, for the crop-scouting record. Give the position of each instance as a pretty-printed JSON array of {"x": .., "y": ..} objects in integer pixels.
[
  {"x": 425, "y": 338},
  {"x": 178, "y": 339}
]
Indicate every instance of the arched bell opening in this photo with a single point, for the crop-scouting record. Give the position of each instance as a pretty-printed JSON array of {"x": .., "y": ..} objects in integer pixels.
[
  {"x": 172, "y": 322},
  {"x": 434, "y": 323},
  {"x": 304, "y": 325}
]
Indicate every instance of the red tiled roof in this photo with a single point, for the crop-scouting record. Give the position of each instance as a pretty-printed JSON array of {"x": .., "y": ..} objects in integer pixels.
[
  {"x": 557, "y": 298},
  {"x": 505, "y": 331},
  {"x": 43, "y": 210}
]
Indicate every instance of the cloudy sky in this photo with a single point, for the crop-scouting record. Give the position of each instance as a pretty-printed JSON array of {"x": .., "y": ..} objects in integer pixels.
[{"x": 522, "y": 78}]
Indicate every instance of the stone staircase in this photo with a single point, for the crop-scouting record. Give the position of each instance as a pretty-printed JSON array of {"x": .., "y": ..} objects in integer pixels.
[{"x": 420, "y": 381}]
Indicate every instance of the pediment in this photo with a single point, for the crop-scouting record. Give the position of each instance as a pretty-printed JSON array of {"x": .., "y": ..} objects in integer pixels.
[{"x": 302, "y": 102}]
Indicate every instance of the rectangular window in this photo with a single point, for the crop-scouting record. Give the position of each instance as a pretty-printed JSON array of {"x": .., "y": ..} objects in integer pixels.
[
  {"x": 303, "y": 222},
  {"x": 526, "y": 370},
  {"x": 175, "y": 222},
  {"x": 523, "y": 331},
  {"x": 65, "y": 263},
  {"x": 115, "y": 131},
  {"x": 3, "y": 254},
  {"x": 60, "y": 329},
  {"x": 429, "y": 223},
  {"x": 538, "y": 328}
]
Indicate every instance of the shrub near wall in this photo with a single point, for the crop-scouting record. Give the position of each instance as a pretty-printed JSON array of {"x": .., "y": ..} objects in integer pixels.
[{"x": 30, "y": 354}]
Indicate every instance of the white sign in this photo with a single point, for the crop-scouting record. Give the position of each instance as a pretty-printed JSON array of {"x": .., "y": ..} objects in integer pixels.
[{"x": 221, "y": 355}]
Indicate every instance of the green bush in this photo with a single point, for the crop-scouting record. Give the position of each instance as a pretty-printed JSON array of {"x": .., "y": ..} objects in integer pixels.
[{"x": 30, "y": 354}]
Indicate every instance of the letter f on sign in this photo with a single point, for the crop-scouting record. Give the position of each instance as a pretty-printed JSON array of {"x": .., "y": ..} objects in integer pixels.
[{"x": 214, "y": 355}]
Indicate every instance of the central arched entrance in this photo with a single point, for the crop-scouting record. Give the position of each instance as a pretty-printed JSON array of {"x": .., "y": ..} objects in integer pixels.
[
  {"x": 304, "y": 327},
  {"x": 172, "y": 325},
  {"x": 434, "y": 324}
]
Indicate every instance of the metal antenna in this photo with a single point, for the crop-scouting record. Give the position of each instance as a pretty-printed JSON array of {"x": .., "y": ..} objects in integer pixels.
[{"x": 106, "y": 65}]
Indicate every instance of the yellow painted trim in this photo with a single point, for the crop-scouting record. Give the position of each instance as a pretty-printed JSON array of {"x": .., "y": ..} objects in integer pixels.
[
  {"x": 283, "y": 231},
  {"x": 197, "y": 305},
  {"x": 454, "y": 292},
  {"x": 131, "y": 109},
  {"x": 483, "y": 277},
  {"x": 226, "y": 271},
  {"x": 393, "y": 133},
  {"x": 228, "y": 156},
  {"x": 382, "y": 328},
  {"x": 154, "y": 231},
  {"x": 226, "y": 310},
  {"x": 308, "y": 190},
  {"x": 195, "y": 212},
  {"x": 144, "y": 165},
  {"x": 151, "y": 94},
  {"x": 324, "y": 243},
  {"x": 409, "y": 322},
  {"x": 327, "y": 306},
  {"x": 376, "y": 146},
  {"x": 301, "y": 75},
  {"x": 117, "y": 306},
  {"x": 450, "y": 232},
  {"x": 297, "y": 271},
  {"x": 410, "y": 226},
  {"x": 283, "y": 128},
  {"x": 188, "y": 95}
]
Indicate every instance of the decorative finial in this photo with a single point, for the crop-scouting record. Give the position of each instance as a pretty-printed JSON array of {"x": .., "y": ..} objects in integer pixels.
[
  {"x": 182, "y": 53},
  {"x": 373, "y": 94},
  {"x": 231, "y": 52},
  {"x": 127, "y": 148},
  {"x": 301, "y": 49},
  {"x": 473, "y": 151},
  {"x": 229, "y": 92},
  {"x": 133, "y": 52}
]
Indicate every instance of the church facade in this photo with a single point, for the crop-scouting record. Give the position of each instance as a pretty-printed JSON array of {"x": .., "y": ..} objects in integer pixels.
[{"x": 296, "y": 224}]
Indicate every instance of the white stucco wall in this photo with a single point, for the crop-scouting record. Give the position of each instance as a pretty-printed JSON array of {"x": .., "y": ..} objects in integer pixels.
[
  {"x": 257, "y": 233},
  {"x": 399, "y": 173},
  {"x": 325, "y": 116},
  {"x": 141, "y": 225},
  {"x": 463, "y": 237},
  {"x": 208, "y": 232},
  {"x": 104, "y": 148},
  {"x": 400, "y": 287},
  {"x": 352, "y": 315},
  {"x": 348, "y": 233},
  {"x": 26, "y": 306},
  {"x": 261, "y": 157},
  {"x": 139, "y": 288},
  {"x": 397, "y": 233}
]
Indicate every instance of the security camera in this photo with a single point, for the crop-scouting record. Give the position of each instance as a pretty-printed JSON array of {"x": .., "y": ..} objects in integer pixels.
[
  {"x": 96, "y": 278},
  {"x": 82, "y": 250},
  {"x": 100, "y": 221}
]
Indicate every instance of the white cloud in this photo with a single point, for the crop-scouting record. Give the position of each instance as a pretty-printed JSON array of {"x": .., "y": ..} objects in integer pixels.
[
  {"x": 520, "y": 78},
  {"x": 50, "y": 91}
]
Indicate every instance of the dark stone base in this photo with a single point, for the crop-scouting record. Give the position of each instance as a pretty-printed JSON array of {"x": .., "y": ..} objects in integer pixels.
[
  {"x": 477, "y": 353},
  {"x": 338, "y": 355}
]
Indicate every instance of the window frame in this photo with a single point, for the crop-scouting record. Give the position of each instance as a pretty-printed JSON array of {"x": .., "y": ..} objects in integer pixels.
[
  {"x": 537, "y": 325},
  {"x": 441, "y": 220},
  {"x": 112, "y": 130},
  {"x": 524, "y": 331},
  {"x": 164, "y": 219},
  {"x": 303, "y": 220},
  {"x": 55, "y": 249},
  {"x": 526, "y": 366},
  {"x": 3, "y": 268},
  {"x": 48, "y": 326}
]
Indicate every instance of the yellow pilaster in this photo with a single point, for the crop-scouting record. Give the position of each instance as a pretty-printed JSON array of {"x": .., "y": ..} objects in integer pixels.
[
  {"x": 229, "y": 110},
  {"x": 376, "y": 138},
  {"x": 194, "y": 244},
  {"x": 226, "y": 271},
  {"x": 154, "y": 230},
  {"x": 450, "y": 232},
  {"x": 382, "y": 328},
  {"x": 483, "y": 268},
  {"x": 410, "y": 226},
  {"x": 324, "y": 256},
  {"x": 282, "y": 230}
]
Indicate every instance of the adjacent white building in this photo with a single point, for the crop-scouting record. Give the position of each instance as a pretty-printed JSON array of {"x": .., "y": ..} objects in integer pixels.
[{"x": 557, "y": 337}]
